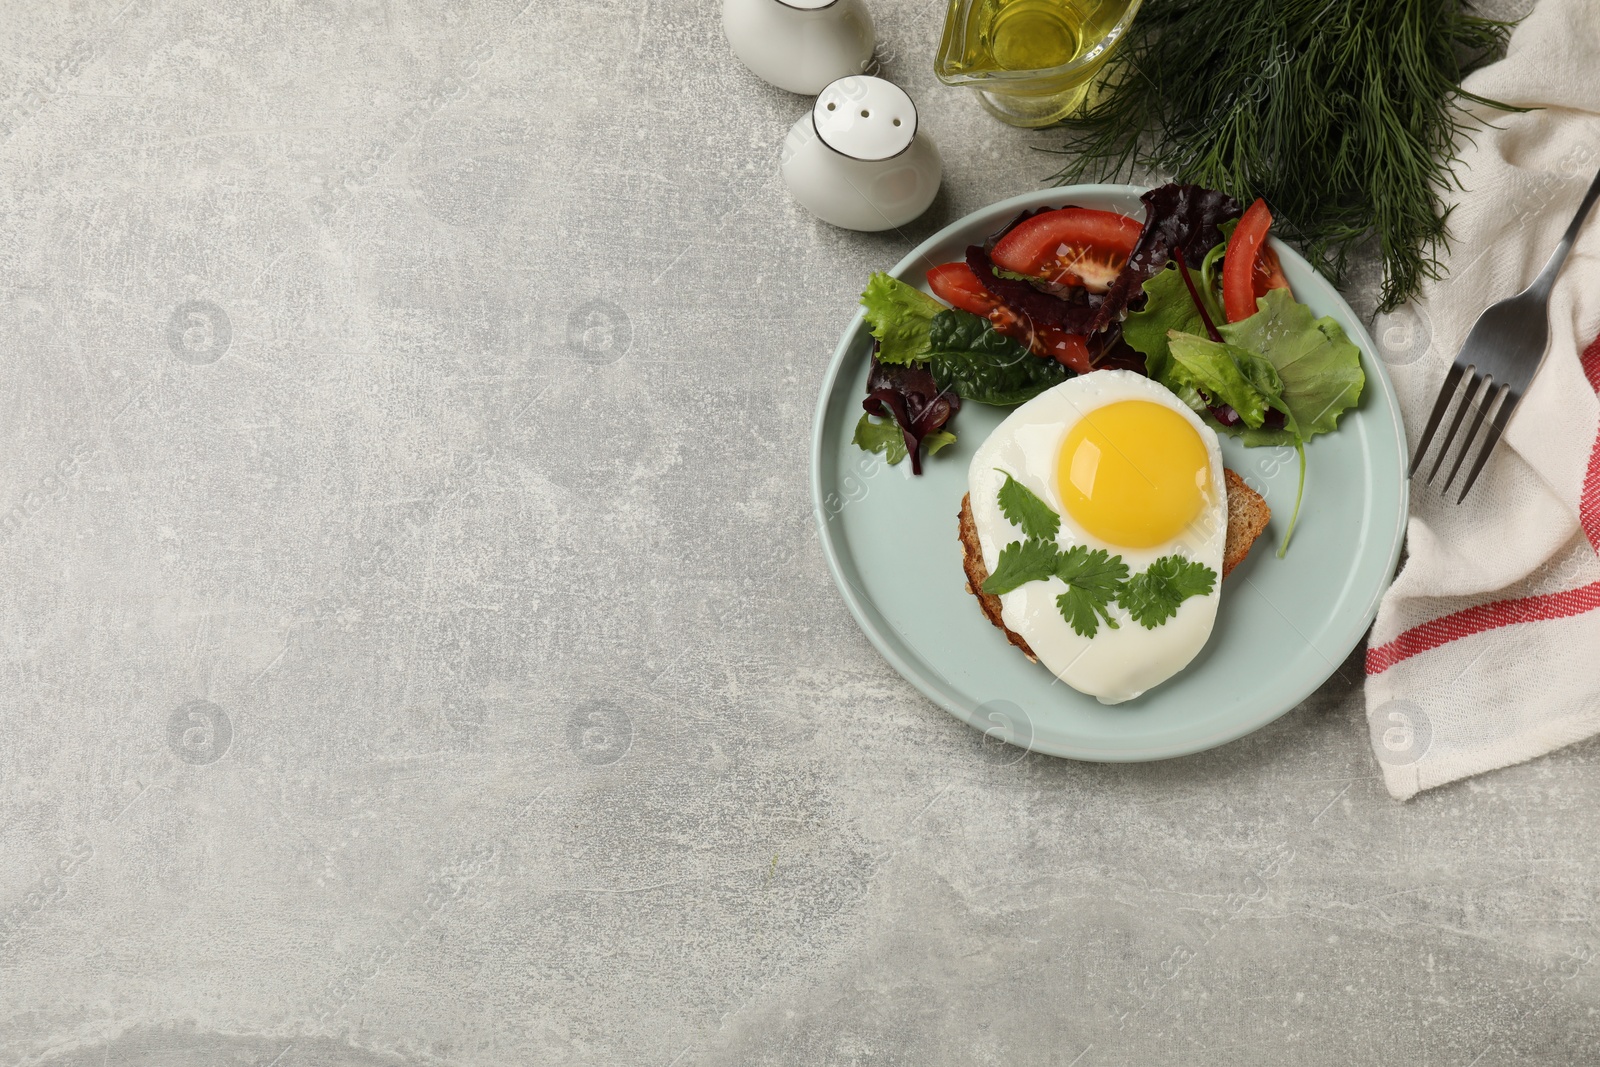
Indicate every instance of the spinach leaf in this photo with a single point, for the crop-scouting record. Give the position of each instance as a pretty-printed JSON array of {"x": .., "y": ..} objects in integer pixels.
[{"x": 968, "y": 356}]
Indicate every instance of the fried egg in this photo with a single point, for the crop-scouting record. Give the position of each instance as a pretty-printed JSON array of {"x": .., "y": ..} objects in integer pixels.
[{"x": 1131, "y": 470}]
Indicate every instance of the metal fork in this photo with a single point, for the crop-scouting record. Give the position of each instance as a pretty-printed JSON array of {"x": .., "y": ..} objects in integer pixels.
[{"x": 1500, "y": 357}]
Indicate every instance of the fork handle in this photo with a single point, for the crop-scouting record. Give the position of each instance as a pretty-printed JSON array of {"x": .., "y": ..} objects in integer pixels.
[{"x": 1547, "y": 277}]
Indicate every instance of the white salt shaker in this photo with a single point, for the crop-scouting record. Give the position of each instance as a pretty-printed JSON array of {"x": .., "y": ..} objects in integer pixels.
[
  {"x": 799, "y": 45},
  {"x": 858, "y": 160}
]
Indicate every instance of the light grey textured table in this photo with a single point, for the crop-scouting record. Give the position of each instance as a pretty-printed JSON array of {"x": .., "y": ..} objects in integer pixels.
[{"x": 417, "y": 649}]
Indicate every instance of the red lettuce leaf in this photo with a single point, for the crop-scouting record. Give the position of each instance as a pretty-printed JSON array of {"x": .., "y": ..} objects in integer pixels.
[
  {"x": 911, "y": 397},
  {"x": 1072, "y": 312},
  {"x": 1177, "y": 218},
  {"x": 1108, "y": 351}
]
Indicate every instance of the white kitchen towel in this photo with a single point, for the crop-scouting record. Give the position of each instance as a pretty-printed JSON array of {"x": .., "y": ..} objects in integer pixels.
[{"x": 1486, "y": 650}]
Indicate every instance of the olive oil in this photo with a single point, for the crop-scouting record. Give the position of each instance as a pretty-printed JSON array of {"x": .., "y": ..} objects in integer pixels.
[{"x": 1031, "y": 60}]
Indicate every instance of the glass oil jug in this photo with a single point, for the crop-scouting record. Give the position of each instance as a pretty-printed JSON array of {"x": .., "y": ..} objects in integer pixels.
[{"x": 1031, "y": 61}]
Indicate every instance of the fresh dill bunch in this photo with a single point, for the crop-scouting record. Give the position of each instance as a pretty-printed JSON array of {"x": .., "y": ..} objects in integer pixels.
[{"x": 1343, "y": 114}]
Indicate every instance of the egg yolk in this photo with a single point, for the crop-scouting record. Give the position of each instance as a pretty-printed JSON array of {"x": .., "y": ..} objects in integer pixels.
[{"x": 1133, "y": 473}]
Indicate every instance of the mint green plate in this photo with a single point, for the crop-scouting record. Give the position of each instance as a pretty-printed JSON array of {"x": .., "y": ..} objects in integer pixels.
[{"x": 1285, "y": 625}]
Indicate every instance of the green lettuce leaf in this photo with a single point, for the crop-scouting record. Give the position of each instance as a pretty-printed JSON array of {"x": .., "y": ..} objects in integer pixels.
[
  {"x": 1211, "y": 276},
  {"x": 899, "y": 316},
  {"x": 1168, "y": 307},
  {"x": 967, "y": 355},
  {"x": 1266, "y": 437},
  {"x": 1231, "y": 375},
  {"x": 884, "y": 436},
  {"x": 1319, "y": 366}
]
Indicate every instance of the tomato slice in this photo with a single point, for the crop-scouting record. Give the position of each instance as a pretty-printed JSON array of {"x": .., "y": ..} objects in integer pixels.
[
  {"x": 1069, "y": 349},
  {"x": 956, "y": 285},
  {"x": 1250, "y": 267},
  {"x": 1269, "y": 272},
  {"x": 1070, "y": 246}
]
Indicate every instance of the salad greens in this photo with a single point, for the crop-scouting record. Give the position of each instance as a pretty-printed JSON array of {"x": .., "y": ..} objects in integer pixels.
[
  {"x": 978, "y": 363},
  {"x": 886, "y": 438},
  {"x": 900, "y": 316},
  {"x": 1077, "y": 315},
  {"x": 1180, "y": 221},
  {"x": 1319, "y": 365},
  {"x": 1228, "y": 374},
  {"x": 911, "y": 403},
  {"x": 881, "y": 436},
  {"x": 1279, "y": 377},
  {"x": 1167, "y": 309},
  {"x": 965, "y": 354}
]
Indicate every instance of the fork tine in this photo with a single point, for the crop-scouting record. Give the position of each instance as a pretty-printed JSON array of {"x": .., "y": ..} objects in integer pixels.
[
  {"x": 1508, "y": 404},
  {"x": 1455, "y": 424},
  {"x": 1491, "y": 397},
  {"x": 1446, "y": 392}
]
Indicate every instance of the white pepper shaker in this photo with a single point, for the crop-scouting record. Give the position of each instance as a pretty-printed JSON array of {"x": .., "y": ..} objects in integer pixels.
[
  {"x": 858, "y": 160},
  {"x": 799, "y": 45}
]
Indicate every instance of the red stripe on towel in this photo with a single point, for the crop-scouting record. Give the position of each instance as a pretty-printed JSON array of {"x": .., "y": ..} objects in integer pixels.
[{"x": 1481, "y": 617}]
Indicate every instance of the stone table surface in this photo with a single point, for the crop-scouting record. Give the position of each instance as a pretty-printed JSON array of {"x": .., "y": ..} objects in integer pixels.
[{"x": 417, "y": 648}]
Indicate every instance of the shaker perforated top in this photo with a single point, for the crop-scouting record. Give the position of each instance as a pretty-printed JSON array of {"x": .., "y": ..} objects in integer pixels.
[{"x": 865, "y": 118}]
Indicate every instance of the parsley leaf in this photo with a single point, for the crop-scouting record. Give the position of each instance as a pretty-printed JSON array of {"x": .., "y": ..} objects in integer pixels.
[
  {"x": 1153, "y": 596},
  {"x": 1026, "y": 511},
  {"x": 883, "y": 436},
  {"x": 1094, "y": 579},
  {"x": 899, "y": 316},
  {"x": 1021, "y": 562}
]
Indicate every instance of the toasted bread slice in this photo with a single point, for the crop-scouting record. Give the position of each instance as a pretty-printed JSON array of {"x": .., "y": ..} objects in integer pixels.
[
  {"x": 977, "y": 574},
  {"x": 1247, "y": 518}
]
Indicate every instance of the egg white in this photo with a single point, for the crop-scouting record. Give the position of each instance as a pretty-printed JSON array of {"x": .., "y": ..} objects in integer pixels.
[{"x": 1116, "y": 664}]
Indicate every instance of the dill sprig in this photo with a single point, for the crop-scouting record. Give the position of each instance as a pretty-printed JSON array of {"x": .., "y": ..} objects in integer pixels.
[{"x": 1345, "y": 114}]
